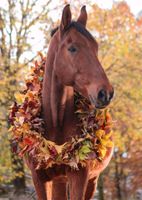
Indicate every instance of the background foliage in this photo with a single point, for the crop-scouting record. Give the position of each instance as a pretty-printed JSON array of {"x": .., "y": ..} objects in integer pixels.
[{"x": 119, "y": 34}]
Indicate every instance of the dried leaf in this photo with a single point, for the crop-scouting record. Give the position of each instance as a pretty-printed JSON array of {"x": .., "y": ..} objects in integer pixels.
[
  {"x": 28, "y": 128},
  {"x": 19, "y": 98}
]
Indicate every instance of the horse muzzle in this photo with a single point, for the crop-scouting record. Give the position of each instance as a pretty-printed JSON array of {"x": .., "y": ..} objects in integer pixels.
[{"x": 103, "y": 98}]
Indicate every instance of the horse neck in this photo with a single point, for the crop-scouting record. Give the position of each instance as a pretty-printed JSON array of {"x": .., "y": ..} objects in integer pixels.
[{"x": 57, "y": 100}]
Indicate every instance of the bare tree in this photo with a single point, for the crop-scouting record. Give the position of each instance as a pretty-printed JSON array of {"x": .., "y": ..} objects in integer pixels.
[{"x": 17, "y": 18}]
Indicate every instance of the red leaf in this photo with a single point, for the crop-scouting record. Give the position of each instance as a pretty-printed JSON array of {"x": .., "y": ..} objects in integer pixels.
[{"x": 28, "y": 141}]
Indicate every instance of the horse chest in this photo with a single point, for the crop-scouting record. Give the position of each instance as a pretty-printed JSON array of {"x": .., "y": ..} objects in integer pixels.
[{"x": 67, "y": 131}]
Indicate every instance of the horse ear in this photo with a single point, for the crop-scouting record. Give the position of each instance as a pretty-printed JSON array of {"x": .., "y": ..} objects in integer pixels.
[
  {"x": 83, "y": 16},
  {"x": 66, "y": 18}
]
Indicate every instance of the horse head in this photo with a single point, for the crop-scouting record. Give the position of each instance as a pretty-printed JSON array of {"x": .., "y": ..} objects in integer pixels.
[{"x": 76, "y": 61}]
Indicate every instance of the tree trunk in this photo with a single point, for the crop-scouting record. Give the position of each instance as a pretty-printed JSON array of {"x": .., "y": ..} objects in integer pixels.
[
  {"x": 19, "y": 175},
  {"x": 101, "y": 188},
  {"x": 117, "y": 179}
]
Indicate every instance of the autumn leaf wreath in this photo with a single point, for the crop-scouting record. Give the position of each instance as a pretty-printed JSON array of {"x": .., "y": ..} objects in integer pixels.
[{"x": 27, "y": 128}]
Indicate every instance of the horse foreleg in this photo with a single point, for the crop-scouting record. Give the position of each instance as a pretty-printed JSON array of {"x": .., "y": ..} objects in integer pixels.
[
  {"x": 77, "y": 183},
  {"x": 91, "y": 188},
  {"x": 40, "y": 185},
  {"x": 59, "y": 189},
  {"x": 39, "y": 179}
]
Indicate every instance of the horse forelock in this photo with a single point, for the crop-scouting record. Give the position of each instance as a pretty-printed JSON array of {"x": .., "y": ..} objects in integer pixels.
[{"x": 79, "y": 27}]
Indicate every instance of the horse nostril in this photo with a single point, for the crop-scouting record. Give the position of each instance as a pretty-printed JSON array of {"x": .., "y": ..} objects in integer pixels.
[
  {"x": 102, "y": 95},
  {"x": 111, "y": 94}
]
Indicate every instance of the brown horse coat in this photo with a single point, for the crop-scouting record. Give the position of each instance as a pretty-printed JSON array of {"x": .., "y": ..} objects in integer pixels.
[{"x": 72, "y": 64}]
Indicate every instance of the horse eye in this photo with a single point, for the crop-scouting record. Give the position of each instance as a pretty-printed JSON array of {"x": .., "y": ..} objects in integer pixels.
[{"x": 72, "y": 49}]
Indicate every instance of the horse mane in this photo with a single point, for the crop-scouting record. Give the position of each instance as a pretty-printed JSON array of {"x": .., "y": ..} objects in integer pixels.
[
  {"x": 53, "y": 31},
  {"x": 79, "y": 27}
]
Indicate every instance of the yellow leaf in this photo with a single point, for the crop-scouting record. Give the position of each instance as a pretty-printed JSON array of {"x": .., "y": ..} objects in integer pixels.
[
  {"x": 26, "y": 126},
  {"x": 106, "y": 143},
  {"x": 110, "y": 144},
  {"x": 19, "y": 97},
  {"x": 99, "y": 133},
  {"x": 102, "y": 151},
  {"x": 10, "y": 129},
  {"x": 59, "y": 148},
  {"x": 107, "y": 136}
]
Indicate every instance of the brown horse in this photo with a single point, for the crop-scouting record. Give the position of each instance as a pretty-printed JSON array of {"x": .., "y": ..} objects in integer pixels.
[{"x": 72, "y": 64}]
